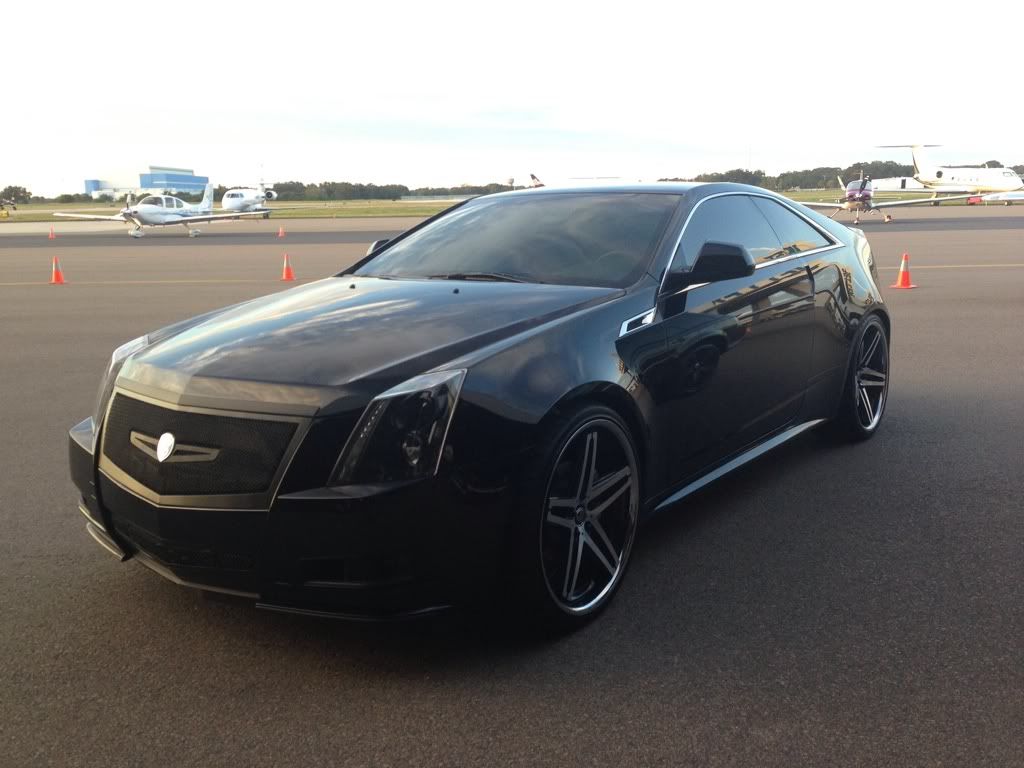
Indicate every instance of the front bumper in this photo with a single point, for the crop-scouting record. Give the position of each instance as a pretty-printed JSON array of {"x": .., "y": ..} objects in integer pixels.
[{"x": 372, "y": 554}]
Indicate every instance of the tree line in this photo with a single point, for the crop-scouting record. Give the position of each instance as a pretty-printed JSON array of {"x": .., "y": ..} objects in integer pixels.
[
  {"x": 824, "y": 177},
  {"x": 344, "y": 190}
]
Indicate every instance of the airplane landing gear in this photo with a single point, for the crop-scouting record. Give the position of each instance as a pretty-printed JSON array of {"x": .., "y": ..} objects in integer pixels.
[
  {"x": 888, "y": 218},
  {"x": 856, "y": 219},
  {"x": 135, "y": 231},
  {"x": 193, "y": 232}
]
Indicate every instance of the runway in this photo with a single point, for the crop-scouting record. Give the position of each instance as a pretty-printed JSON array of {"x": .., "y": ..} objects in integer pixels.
[
  {"x": 81, "y": 234},
  {"x": 829, "y": 604}
]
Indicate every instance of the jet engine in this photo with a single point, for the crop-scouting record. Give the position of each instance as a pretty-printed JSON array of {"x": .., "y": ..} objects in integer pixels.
[{"x": 271, "y": 194}]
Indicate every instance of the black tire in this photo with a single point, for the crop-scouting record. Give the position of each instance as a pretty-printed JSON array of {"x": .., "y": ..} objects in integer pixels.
[
  {"x": 573, "y": 535},
  {"x": 866, "y": 388}
]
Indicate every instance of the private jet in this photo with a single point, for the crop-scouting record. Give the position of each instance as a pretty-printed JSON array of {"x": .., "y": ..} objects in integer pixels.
[
  {"x": 959, "y": 178},
  {"x": 248, "y": 199},
  {"x": 166, "y": 210}
]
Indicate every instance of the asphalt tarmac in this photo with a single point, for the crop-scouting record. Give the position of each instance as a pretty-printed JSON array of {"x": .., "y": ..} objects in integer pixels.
[{"x": 828, "y": 605}]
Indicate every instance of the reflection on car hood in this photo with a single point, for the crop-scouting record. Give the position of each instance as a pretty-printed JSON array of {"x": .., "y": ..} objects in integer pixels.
[{"x": 343, "y": 329}]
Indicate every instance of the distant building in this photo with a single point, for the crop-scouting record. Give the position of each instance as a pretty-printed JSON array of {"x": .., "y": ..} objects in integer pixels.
[{"x": 159, "y": 179}]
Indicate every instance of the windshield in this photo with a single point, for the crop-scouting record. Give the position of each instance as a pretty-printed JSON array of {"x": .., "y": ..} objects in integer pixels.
[{"x": 596, "y": 239}]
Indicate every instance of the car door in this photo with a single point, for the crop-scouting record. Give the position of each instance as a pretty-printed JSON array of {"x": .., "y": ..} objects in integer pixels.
[{"x": 738, "y": 350}]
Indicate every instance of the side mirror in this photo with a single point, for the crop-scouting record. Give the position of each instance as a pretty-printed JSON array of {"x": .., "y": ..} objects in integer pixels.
[
  {"x": 715, "y": 262},
  {"x": 377, "y": 244}
]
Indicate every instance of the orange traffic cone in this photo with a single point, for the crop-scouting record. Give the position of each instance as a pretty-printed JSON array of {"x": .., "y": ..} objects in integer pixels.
[
  {"x": 280, "y": 231},
  {"x": 52, "y": 235},
  {"x": 903, "y": 278},
  {"x": 287, "y": 274},
  {"x": 57, "y": 274}
]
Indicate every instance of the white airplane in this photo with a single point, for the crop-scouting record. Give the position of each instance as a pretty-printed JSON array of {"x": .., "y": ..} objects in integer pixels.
[
  {"x": 859, "y": 198},
  {"x": 247, "y": 199},
  {"x": 954, "y": 178},
  {"x": 163, "y": 211}
]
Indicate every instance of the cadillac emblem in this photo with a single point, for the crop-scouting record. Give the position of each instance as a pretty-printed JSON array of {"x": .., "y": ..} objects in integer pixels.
[{"x": 164, "y": 447}]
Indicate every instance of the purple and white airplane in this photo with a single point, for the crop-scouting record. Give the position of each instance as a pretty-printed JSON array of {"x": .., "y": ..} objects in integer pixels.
[{"x": 859, "y": 199}]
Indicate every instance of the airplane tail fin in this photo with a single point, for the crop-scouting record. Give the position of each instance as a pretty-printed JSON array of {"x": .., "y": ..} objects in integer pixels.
[
  {"x": 914, "y": 152},
  {"x": 207, "y": 203}
]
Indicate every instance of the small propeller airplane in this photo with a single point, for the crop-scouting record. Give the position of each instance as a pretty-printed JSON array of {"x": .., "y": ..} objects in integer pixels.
[
  {"x": 859, "y": 199},
  {"x": 166, "y": 210}
]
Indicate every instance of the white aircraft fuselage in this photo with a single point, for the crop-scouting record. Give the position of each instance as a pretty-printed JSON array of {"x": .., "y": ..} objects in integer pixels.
[
  {"x": 247, "y": 199},
  {"x": 157, "y": 210},
  {"x": 953, "y": 179}
]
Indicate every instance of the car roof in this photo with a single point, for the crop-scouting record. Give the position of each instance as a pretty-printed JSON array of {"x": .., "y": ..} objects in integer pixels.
[{"x": 701, "y": 189}]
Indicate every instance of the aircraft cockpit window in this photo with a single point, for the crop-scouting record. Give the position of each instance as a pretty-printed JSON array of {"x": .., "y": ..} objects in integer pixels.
[
  {"x": 168, "y": 202},
  {"x": 152, "y": 201}
]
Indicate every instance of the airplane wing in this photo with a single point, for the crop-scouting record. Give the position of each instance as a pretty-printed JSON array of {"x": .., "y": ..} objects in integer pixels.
[
  {"x": 215, "y": 217},
  {"x": 91, "y": 217},
  {"x": 1003, "y": 197},
  {"x": 822, "y": 205},
  {"x": 919, "y": 201}
]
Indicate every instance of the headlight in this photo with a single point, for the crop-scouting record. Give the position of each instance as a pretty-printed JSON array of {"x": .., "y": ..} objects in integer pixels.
[
  {"x": 117, "y": 359},
  {"x": 401, "y": 434}
]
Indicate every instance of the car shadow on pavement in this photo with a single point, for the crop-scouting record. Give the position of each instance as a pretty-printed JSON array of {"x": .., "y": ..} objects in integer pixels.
[{"x": 719, "y": 533}]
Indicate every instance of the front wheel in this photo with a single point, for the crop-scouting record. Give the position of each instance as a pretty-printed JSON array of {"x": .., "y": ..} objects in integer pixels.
[
  {"x": 583, "y": 501},
  {"x": 867, "y": 383}
]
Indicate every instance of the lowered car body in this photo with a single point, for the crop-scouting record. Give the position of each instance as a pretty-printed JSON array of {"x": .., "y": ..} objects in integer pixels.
[{"x": 479, "y": 402}]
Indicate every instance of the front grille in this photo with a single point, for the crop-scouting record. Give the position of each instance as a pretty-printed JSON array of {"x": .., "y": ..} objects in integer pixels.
[{"x": 250, "y": 450}]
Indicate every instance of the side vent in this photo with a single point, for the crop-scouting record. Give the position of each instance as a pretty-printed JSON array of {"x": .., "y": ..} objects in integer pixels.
[{"x": 637, "y": 322}]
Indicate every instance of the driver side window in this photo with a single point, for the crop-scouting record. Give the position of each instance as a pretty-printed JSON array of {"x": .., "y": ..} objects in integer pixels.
[{"x": 729, "y": 219}]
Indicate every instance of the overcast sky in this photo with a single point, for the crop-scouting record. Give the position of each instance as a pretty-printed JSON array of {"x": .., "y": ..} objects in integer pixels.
[{"x": 443, "y": 93}]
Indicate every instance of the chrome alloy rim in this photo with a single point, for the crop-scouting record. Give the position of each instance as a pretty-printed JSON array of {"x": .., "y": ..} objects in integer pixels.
[
  {"x": 590, "y": 516},
  {"x": 872, "y": 377}
]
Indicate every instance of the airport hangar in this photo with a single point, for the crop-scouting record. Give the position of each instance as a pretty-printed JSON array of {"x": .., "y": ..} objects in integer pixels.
[{"x": 159, "y": 179}]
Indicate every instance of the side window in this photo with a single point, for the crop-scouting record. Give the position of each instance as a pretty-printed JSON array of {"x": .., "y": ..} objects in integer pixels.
[
  {"x": 728, "y": 219},
  {"x": 178, "y": 203},
  {"x": 795, "y": 234}
]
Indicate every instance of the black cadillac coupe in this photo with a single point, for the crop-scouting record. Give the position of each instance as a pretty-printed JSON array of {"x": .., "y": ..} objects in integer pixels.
[{"x": 486, "y": 406}]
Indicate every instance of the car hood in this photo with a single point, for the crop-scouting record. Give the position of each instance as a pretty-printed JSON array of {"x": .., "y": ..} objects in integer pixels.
[{"x": 340, "y": 338}]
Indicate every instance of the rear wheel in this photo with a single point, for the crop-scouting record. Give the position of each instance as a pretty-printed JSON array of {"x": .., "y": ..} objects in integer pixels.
[
  {"x": 867, "y": 385},
  {"x": 581, "y": 517}
]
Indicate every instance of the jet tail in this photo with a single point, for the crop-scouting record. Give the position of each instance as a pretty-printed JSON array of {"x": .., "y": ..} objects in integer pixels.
[
  {"x": 913, "y": 153},
  {"x": 207, "y": 202}
]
